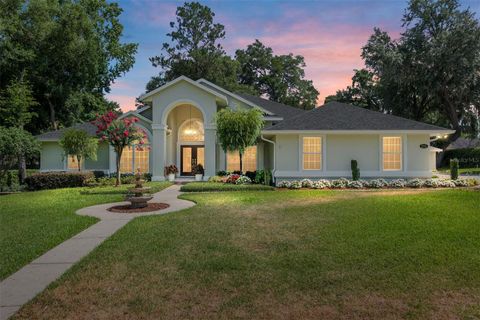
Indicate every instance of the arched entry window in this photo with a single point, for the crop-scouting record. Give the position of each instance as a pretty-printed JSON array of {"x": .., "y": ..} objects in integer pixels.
[{"x": 191, "y": 131}]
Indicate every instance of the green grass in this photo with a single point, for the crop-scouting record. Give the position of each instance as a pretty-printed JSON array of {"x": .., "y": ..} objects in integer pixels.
[
  {"x": 286, "y": 254},
  {"x": 218, "y": 186},
  {"x": 466, "y": 171},
  {"x": 31, "y": 223}
]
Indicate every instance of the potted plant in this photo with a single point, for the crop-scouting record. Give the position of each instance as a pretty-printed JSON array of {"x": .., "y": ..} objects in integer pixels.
[
  {"x": 198, "y": 171},
  {"x": 170, "y": 172}
]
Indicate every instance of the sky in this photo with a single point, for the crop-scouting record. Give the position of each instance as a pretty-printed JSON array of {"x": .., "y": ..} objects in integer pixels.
[{"x": 329, "y": 34}]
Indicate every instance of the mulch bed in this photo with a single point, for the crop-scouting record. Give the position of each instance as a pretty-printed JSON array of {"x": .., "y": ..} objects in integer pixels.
[{"x": 152, "y": 206}]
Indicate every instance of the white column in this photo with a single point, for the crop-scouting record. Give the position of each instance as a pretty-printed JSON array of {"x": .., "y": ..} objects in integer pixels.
[
  {"x": 159, "y": 150},
  {"x": 210, "y": 156}
]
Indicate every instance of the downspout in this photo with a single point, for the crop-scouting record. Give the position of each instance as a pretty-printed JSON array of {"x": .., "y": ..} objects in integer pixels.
[{"x": 274, "y": 160}]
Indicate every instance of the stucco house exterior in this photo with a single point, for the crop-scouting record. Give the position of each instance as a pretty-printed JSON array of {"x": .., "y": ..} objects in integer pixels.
[{"x": 179, "y": 122}]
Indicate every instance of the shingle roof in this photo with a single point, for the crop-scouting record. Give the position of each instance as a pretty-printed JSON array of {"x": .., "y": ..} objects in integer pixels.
[
  {"x": 279, "y": 109},
  {"x": 57, "y": 134},
  {"x": 341, "y": 116}
]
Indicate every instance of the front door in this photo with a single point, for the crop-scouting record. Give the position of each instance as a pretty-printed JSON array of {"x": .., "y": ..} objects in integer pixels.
[{"x": 191, "y": 155}]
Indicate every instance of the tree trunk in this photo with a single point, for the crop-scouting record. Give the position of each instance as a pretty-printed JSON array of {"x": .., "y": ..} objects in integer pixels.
[
  {"x": 51, "y": 107},
  {"x": 241, "y": 162},
  {"x": 22, "y": 169},
  {"x": 119, "y": 157},
  {"x": 79, "y": 164},
  {"x": 452, "y": 115}
]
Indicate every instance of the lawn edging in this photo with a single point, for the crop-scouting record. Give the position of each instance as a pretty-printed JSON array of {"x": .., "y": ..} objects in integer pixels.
[{"x": 214, "y": 186}]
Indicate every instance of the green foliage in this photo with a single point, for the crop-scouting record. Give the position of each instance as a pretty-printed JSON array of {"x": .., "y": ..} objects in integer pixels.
[
  {"x": 263, "y": 177},
  {"x": 78, "y": 143},
  {"x": 218, "y": 186},
  {"x": 194, "y": 50},
  {"x": 431, "y": 73},
  {"x": 238, "y": 130},
  {"x": 86, "y": 106},
  {"x": 467, "y": 157},
  {"x": 355, "y": 170},
  {"x": 56, "y": 180},
  {"x": 62, "y": 48},
  {"x": 16, "y": 104},
  {"x": 280, "y": 77},
  {"x": 454, "y": 169},
  {"x": 15, "y": 143}
]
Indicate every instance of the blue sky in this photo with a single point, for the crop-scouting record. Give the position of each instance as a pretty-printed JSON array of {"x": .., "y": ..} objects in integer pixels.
[{"x": 329, "y": 34}]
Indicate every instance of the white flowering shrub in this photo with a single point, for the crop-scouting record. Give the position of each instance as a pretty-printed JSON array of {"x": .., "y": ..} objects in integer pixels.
[
  {"x": 318, "y": 185},
  {"x": 430, "y": 183},
  {"x": 397, "y": 183},
  {"x": 377, "y": 183},
  {"x": 446, "y": 183},
  {"x": 325, "y": 182},
  {"x": 284, "y": 184},
  {"x": 295, "y": 184},
  {"x": 339, "y": 183},
  {"x": 243, "y": 180},
  {"x": 355, "y": 184},
  {"x": 306, "y": 183},
  {"x": 461, "y": 183},
  {"x": 415, "y": 183}
]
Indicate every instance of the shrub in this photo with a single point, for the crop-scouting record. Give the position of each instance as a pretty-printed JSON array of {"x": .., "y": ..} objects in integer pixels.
[
  {"x": 377, "y": 183},
  {"x": 55, "y": 180},
  {"x": 318, "y": 185},
  {"x": 243, "y": 180},
  {"x": 284, "y": 184},
  {"x": 217, "y": 187},
  {"x": 171, "y": 169},
  {"x": 461, "y": 183},
  {"x": 251, "y": 175},
  {"x": 232, "y": 178},
  {"x": 355, "y": 170},
  {"x": 446, "y": 183},
  {"x": 339, "y": 183},
  {"x": 415, "y": 183},
  {"x": 295, "y": 184},
  {"x": 263, "y": 177},
  {"x": 454, "y": 169},
  {"x": 325, "y": 182},
  {"x": 430, "y": 183},
  {"x": 355, "y": 184},
  {"x": 397, "y": 183},
  {"x": 467, "y": 157},
  {"x": 198, "y": 169},
  {"x": 222, "y": 173},
  {"x": 98, "y": 174},
  {"x": 217, "y": 179},
  {"x": 306, "y": 183}
]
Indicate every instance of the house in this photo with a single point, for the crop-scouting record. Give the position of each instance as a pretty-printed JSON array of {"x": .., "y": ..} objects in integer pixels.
[{"x": 179, "y": 122}]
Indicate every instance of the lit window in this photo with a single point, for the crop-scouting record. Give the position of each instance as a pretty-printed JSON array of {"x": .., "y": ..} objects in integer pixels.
[
  {"x": 249, "y": 160},
  {"x": 392, "y": 153},
  {"x": 135, "y": 157},
  {"x": 191, "y": 130},
  {"x": 312, "y": 153},
  {"x": 72, "y": 163}
]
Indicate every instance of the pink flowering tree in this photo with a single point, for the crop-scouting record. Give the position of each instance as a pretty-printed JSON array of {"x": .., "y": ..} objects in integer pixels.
[{"x": 119, "y": 133}]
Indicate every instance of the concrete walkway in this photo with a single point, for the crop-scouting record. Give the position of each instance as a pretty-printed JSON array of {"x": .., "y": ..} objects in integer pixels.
[{"x": 32, "y": 279}]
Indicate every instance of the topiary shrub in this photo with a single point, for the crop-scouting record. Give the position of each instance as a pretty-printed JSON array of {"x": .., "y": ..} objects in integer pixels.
[
  {"x": 355, "y": 170},
  {"x": 454, "y": 169},
  {"x": 55, "y": 180}
]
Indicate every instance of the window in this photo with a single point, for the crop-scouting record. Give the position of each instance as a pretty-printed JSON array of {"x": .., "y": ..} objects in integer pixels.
[
  {"x": 135, "y": 157},
  {"x": 191, "y": 130},
  {"x": 249, "y": 160},
  {"x": 312, "y": 153},
  {"x": 72, "y": 163},
  {"x": 392, "y": 153}
]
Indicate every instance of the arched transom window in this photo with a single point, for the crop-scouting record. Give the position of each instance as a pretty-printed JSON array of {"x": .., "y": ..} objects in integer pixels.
[{"x": 191, "y": 130}]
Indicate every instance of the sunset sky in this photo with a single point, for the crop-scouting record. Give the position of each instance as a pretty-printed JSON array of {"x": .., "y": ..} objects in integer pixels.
[{"x": 329, "y": 34}]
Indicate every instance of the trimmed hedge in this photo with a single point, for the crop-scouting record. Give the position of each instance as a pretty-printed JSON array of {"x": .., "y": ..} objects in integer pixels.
[
  {"x": 56, "y": 180},
  {"x": 467, "y": 157},
  {"x": 216, "y": 186}
]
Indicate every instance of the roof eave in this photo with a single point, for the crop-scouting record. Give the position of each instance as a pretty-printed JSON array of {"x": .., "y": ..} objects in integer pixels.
[{"x": 429, "y": 131}]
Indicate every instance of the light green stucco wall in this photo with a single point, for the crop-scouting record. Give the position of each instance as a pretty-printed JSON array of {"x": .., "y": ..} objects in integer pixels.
[
  {"x": 342, "y": 149},
  {"x": 51, "y": 156},
  {"x": 102, "y": 159},
  {"x": 287, "y": 152}
]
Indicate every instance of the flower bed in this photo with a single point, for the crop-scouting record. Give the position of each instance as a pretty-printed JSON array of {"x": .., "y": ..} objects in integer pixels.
[{"x": 343, "y": 183}]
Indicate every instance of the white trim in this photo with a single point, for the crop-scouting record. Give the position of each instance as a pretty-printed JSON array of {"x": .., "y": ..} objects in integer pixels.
[
  {"x": 135, "y": 114},
  {"x": 233, "y": 95},
  {"x": 432, "y": 133},
  {"x": 402, "y": 154},
  {"x": 146, "y": 96},
  {"x": 272, "y": 118},
  {"x": 143, "y": 109}
]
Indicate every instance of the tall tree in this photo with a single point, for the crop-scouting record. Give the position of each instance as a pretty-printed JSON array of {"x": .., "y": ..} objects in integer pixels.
[
  {"x": 62, "y": 48},
  {"x": 280, "y": 77},
  {"x": 194, "y": 50}
]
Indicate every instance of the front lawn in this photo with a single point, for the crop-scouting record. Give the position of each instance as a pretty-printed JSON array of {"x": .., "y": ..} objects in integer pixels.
[
  {"x": 219, "y": 186},
  {"x": 31, "y": 223},
  {"x": 464, "y": 171},
  {"x": 305, "y": 254}
]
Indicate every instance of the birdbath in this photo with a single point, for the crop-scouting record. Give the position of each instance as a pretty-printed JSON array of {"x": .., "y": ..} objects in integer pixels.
[{"x": 138, "y": 196}]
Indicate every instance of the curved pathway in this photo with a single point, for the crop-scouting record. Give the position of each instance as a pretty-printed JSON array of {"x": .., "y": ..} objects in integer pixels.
[{"x": 25, "y": 284}]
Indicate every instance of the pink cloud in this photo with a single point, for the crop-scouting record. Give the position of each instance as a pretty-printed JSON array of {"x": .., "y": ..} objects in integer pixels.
[{"x": 126, "y": 102}]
